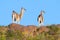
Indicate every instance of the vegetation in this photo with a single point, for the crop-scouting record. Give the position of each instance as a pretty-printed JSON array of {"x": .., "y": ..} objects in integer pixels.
[{"x": 53, "y": 34}]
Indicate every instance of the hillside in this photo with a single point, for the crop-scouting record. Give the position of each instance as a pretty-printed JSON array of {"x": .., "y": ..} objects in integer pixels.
[{"x": 30, "y": 32}]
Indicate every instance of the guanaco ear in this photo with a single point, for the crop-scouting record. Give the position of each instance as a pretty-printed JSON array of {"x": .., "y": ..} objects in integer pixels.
[{"x": 23, "y": 8}]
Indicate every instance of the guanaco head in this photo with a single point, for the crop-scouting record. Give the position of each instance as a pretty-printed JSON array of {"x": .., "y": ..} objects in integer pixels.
[
  {"x": 42, "y": 12},
  {"x": 13, "y": 11}
]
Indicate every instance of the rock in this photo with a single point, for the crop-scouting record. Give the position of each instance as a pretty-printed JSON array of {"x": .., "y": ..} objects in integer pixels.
[{"x": 30, "y": 30}]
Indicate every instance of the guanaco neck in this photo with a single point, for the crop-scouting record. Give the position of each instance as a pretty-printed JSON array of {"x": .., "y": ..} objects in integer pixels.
[
  {"x": 21, "y": 13},
  {"x": 41, "y": 13}
]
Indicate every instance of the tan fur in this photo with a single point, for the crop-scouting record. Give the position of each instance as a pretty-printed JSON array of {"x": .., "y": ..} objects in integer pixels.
[
  {"x": 41, "y": 18},
  {"x": 16, "y": 16}
]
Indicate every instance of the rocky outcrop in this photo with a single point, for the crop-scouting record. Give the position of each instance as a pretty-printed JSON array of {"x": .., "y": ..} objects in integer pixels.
[
  {"x": 17, "y": 31},
  {"x": 29, "y": 30}
]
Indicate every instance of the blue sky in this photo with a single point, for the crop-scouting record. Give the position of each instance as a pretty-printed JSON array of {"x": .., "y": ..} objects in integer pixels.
[{"x": 33, "y": 8}]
